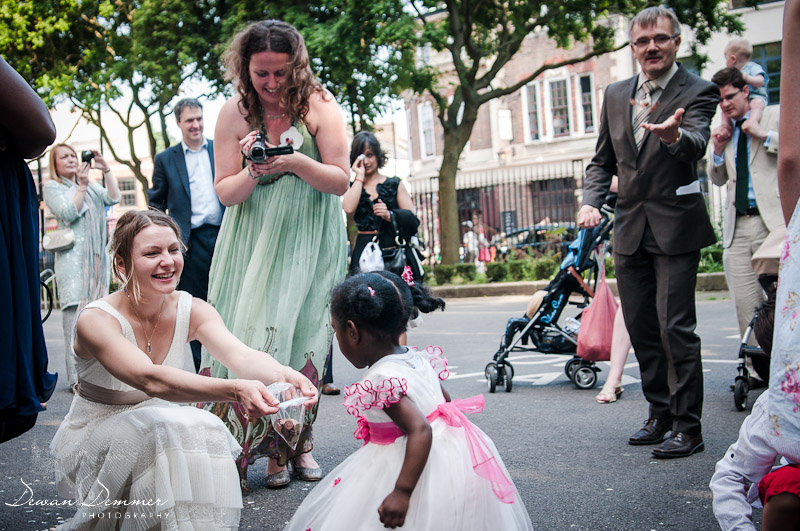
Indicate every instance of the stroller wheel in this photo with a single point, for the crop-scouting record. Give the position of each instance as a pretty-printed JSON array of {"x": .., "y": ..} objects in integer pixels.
[
  {"x": 507, "y": 376},
  {"x": 491, "y": 376},
  {"x": 584, "y": 377},
  {"x": 569, "y": 368},
  {"x": 740, "y": 391}
]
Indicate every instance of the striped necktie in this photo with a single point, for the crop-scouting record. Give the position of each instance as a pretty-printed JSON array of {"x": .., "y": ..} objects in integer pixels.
[{"x": 643, "y": 109}]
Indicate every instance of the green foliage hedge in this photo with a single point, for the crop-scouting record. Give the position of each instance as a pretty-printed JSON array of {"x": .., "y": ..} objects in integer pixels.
[{"x": 496, "y": 271}]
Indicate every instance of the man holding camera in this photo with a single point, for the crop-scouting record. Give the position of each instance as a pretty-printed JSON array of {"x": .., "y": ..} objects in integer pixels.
[{"x": 183, "y": 186}]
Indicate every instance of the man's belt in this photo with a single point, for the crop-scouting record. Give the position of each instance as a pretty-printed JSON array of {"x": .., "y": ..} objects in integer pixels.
[{"x": 752, "y": 211}]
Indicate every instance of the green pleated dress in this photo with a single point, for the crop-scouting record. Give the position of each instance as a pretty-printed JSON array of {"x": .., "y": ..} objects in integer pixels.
[{"x": 277, "y": 257}]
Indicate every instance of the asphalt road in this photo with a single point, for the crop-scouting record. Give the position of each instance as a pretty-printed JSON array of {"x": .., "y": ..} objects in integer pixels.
[{"x": 567, "y": 454}]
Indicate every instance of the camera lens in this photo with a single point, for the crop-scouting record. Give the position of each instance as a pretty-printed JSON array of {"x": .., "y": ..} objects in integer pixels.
[
  {"x": 258, "y": 151},
  {"x": 87, "y": 156}
]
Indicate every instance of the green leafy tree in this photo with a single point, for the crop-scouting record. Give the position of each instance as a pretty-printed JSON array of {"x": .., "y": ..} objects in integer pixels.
[
  {"x": 128, "y": 57},
  {"x": 482, "y": 36}
]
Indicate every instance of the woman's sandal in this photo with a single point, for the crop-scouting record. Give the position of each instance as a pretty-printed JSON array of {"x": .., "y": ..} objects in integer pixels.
[
  {"x": 608, "y": 395},
  {"x": 306, "y": 474},
  {"x": 278, "y": 479}
]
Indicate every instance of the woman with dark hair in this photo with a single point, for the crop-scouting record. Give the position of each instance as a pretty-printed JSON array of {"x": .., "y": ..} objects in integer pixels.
[
  {"x": 124, "y": 441},
  {"x": 281, "y": 246},
  {"x": 79, "y": 203},
  {"x": 373, "y": 196}
]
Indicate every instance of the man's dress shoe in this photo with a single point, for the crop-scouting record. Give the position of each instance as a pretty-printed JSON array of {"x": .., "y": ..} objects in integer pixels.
[
  {"x": 652, "y": 432},
  {"x": 679, "y": 445}
]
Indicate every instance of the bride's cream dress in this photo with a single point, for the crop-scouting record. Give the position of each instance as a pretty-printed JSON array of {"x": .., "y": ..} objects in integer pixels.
[{"x": 136, "y": 462}]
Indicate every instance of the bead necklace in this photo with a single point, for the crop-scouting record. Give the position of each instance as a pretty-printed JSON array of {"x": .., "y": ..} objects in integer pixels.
[{"x": 138, "y": 318}]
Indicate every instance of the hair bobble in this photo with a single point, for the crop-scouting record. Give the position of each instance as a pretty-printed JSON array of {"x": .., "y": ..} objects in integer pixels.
[
  {"x": 371, "y": 291},
  {"x": 408, "y": 276}
]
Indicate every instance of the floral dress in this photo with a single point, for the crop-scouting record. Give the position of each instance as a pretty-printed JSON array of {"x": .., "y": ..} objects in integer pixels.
[
  {"x": 784, "y": 382},
  {"x": 278, "y": 255},
  {"x": 464, "y": 484}
]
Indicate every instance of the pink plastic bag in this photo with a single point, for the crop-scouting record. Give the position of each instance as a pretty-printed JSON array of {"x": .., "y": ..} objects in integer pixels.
[{"x": 597, "y": 322}]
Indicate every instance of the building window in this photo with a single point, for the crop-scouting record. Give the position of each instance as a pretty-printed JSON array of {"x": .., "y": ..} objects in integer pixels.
[
  {"x": 423, "y": 55},
  {"x": 769, "y": 57},
  {"x": 587, "y": 102},
  {"x": 559, "y": 105},
  {"x": 127, "y": 188},
  {"x": 505, "y": 127},
  {"x": 534, "y": 131},
  {"x": 427, "y": 144}
]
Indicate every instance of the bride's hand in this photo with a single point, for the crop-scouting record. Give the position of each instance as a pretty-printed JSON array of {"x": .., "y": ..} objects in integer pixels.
[
  {"x": 304, "y": 384},
  {"x": 255, "y": 399}
]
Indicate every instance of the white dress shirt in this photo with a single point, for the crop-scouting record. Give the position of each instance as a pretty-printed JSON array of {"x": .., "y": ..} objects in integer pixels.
[{"x": 206, "y": 209}]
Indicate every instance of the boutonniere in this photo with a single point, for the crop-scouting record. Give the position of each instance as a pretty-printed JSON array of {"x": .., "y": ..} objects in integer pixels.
[{"x": 292, "y": 137}]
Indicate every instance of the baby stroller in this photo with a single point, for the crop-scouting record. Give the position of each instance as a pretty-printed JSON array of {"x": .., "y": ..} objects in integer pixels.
[
  {"x": 765, "y": 261},
  {"x": 540, "y": 325}
]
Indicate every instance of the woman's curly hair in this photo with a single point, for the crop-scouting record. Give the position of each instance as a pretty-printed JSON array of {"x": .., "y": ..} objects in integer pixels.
[{"x": 275, "y": 36}]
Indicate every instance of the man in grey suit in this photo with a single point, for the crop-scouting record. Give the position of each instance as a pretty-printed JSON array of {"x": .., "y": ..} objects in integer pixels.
[
  {"x": 745, "y": 157},
  {"x": 183, "y": 186},
  {"x": 654, "y": 128}
]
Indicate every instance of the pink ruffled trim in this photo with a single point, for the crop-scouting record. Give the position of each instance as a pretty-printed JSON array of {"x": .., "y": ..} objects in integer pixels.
[
  {"x": 438, "y": 361},
  {"x": 366, "y": 394}
]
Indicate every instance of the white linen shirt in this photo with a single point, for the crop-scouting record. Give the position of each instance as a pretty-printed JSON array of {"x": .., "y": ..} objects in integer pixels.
[{"x": 735, "y": 480}]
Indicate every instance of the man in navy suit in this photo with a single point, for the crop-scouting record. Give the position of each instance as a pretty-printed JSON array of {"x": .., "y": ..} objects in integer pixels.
[
  {"x": 183, "y": 186},
  {"x": 654, "y": 128}
]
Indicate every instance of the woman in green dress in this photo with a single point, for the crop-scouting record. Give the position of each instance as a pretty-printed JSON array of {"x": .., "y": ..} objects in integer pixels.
[{"x": 281, "y": 246}]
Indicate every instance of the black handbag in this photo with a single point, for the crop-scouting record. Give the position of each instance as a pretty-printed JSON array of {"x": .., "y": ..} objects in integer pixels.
[{"x": 394, "y": 257}]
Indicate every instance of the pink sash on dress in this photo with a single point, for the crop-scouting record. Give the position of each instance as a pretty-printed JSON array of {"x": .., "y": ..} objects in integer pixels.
[{"x": 483, "y": 462}]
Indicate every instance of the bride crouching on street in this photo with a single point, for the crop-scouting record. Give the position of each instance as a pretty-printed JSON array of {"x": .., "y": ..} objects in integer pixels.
[{"x": 127, "y": 455}]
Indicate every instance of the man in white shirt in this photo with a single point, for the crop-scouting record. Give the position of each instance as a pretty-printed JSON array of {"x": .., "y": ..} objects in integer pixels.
[
  {"x": 745, "y": 159},
  {"x": 183, "y": 186}
]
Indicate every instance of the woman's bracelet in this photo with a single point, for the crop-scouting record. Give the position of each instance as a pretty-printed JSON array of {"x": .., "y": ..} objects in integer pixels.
[
  {"x": 360, "y": 181},
  {"x": 250, "y": 174},
  {"x": 235, "y": 392},
  {"x": 107, "y": 170}
]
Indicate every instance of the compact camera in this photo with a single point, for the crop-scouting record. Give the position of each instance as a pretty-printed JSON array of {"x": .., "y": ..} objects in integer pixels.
[
  {"x": 87, "y": 156},
  {"x": 259, "y": 152}
]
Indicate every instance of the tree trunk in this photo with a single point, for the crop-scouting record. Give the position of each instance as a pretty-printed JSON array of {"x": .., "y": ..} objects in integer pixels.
[{"x": 455, "y": 138}]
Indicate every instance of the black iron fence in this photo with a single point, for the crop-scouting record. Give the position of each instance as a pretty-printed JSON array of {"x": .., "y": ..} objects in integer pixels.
[{"x": 498, "y": 203}]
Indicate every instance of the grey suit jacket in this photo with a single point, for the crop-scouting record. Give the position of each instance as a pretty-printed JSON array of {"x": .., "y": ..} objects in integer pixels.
[
  {"x": 763, "y": 175},
  {"x": 657, "y": 184},
  {"x": 170, "y": 191}
]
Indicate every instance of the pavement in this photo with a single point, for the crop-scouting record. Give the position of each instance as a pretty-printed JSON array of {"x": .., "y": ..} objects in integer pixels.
[{"x": 567, "y": 455}]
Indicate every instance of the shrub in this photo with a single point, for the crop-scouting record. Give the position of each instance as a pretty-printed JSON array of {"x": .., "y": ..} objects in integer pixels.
[
  {"x": 544, "y": 267},
  {"x": 466, "y": 271},
  {"x": 496, "y": 271},
  {"x": 711, "y": 259},
  {"x": 443, "y": 274},
  {"x": 520, "y": 269},
  {"x": 610, "y": 273}
]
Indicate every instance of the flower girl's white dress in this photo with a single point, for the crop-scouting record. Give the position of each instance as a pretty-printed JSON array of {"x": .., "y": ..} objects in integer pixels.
[
  {"x": 464, "y": 485},
  {"x": 154, "y": 463}
]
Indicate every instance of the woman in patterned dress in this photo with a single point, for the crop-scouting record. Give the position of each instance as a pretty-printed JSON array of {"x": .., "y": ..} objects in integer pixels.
[
  {"x": 78, "y": 203},
  {"x": 281, "y": 246}
]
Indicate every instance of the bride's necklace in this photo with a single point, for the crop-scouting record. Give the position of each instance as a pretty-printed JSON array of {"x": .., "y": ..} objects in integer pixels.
[
  {"x": 274, "y": 116},
  {"x": 138, "y": 318}
]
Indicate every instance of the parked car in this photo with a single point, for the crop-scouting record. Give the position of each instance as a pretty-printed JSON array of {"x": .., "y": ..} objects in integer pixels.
[{"x": 539, "y": 238}]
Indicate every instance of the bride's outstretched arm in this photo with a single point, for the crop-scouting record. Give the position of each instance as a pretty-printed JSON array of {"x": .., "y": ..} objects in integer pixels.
[
  {"x": 99, "y": 336},
  {"x": 207, "y": 326}
]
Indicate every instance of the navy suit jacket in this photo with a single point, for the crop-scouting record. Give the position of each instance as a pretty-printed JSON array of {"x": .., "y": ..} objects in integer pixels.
[{"x": 170, "y": 191}]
